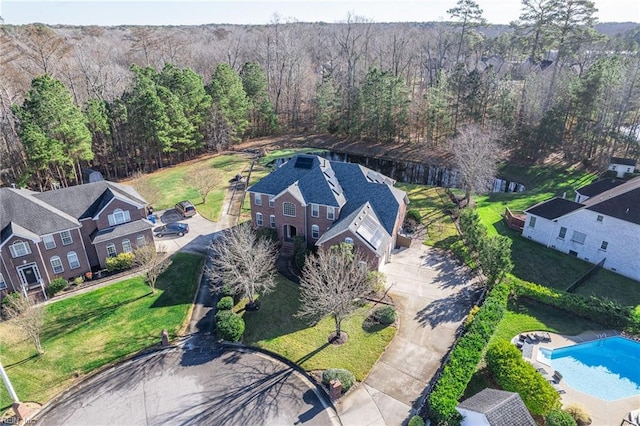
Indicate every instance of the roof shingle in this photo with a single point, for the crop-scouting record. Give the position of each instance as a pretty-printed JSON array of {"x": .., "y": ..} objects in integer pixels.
[{"x": 501, "y": 408}]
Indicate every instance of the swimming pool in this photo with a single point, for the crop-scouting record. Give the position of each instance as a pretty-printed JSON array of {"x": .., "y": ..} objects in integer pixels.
[{"x": 607, "y": 368}]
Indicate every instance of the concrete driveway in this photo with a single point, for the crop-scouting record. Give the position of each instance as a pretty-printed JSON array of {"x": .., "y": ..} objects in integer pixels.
[
  {"x": 197, "y": 386},
  {"x": 201, "y": 232},
  {"x": 433, "y": 294}
]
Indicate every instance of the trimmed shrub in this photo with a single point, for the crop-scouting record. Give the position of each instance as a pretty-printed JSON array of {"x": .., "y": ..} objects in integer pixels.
[
  {"x": 579, "y": 414},
  {"x": 346, "y": 377},
  {"x": 416, "y": 421},
  {"x": 120, "y": 262},
  {"x": 225, "y": 304},
  {"x": 465, "y": 357},
  {"x": 229, "y": 326},
  {"x": 559, "y": 418},
  {"x": 385, "y": 315},
  {"x": 514, "y": 374},
  {"x": 56, "y": 286},
  {"x": 605, "y": 312}
]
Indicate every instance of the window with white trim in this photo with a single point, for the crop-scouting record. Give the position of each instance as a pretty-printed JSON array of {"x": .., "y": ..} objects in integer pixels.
[
  {"x": 111, "y": 250},
  {"x": 3, "y": 283},
  {"x": 562, "y": 233},
  {"x": 578, "y": 237},
  {"x": 257, "y": 199},
  {"x": 49, "y": 242},
  {"x": 72, "y": 258},
  {"x": 315, "y": 231},
  {"x": 19, "y": 248},
  {"x": 141, "y": 241},
  {"x": 315, "y": 210},
  {"x": 532, "y": 222},
  {"x": 289, "y": 209},
  {"x": 600, "y": 218},
  {"x": 272, "y": 221},
  {"x": 56, "y": 264},
  {"x": 348, "y": 240},
  {"x": 604, "y": 245},
  {"x": 119, "y": 216},
  {"x": 259, "y": 219},
  {"x": 272, "y": 201},
  {"x": 66, "y": 238},
  {"x": 126, "y": 246},
  {"x": 331, "y": 213}
]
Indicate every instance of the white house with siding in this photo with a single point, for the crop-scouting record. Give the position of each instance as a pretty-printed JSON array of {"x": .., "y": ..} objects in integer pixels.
[
  {"x": 622, "y": 166},
  {"x": 604, "y": 226}
]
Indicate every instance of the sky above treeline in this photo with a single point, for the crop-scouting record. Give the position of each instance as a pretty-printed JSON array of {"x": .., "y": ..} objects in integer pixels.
[{"x": 259, "y": 12}]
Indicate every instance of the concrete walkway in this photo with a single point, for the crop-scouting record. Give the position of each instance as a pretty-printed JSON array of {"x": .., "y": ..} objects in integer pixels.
[{"x": 433, "y": 295}]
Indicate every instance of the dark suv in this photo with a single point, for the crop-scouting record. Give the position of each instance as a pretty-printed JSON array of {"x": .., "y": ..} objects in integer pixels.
[
  {"x": 186, "y": 209},
  {"x": 175, "y": 228}
]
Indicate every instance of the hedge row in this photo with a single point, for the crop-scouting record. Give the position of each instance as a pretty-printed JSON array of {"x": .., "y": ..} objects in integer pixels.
[
  {"x": 606, "y": 312},
  {"x": 514, "y": 374},
  {"x": 465, "y": 357}
]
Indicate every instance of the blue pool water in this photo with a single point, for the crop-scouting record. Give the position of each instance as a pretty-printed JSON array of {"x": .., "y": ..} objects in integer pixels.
[{"x": 608, "y": 368}]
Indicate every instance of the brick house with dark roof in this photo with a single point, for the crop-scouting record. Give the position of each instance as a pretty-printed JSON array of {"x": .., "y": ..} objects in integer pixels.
[
  {"x": 66, "y": 232},
  {"x": 603, "y": 226},
  {"x": 327, "y": 202}
]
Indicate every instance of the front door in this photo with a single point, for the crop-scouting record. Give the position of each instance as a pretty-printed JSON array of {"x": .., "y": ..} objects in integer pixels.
[
  {"x": 29, "y": 275},
  {"x": 289, "y": 232}
]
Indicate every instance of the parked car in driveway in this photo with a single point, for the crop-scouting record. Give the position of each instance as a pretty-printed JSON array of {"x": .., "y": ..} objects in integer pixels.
[
  {"x": 185, "y": 209},
  {"x": 176, "y": 228}
]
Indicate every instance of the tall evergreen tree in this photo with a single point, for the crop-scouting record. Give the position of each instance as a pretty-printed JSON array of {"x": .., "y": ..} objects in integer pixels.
[
  {"x": 254, "y": 83},
  {"x": 53, "y": 131},
  {"x": 230, "y": 99},
  {"x": 385, "y": 106}
]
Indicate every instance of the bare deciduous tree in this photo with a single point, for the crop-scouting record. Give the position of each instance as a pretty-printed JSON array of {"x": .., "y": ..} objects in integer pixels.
[
  {"x": 28, "y": 317},
  {"x": 154, "y": 261},
  {"x": 243, "y": 261},
  {"x": 204, "y": 179},
  {"x": 332, "y": 280},
  {"x": 476, "y": 153}
]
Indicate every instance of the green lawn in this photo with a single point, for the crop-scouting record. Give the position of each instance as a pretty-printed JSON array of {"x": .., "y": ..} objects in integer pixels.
[
  {"x": 165, "y": 187},
  {"x": 275, "y": 328},
  {"x": 88, "y": 331}
]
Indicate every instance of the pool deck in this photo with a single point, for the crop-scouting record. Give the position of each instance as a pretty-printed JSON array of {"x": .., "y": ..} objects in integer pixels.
[{"x": 603, "y": 413}]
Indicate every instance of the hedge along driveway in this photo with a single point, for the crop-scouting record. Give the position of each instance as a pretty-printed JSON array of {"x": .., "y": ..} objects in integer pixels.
[{"x": 90, "y": 330}]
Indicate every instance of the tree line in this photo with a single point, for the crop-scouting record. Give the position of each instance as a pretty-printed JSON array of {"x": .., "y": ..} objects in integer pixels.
[{"x": 132, "y": 99}]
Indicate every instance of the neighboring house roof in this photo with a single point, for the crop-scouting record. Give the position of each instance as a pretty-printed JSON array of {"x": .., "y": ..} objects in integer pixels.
[
  {"x": 554, "y": 208},
  {"x": 625, "y": 206},
  {"x": 19, "y": 208},
  {"x": 83, "y": 201},
  {"x": 125, "y": 229},
  {"x": 623, "y": 161},
  {"x": 599, "y": 187},
  {"x": 501, "y": 408}
]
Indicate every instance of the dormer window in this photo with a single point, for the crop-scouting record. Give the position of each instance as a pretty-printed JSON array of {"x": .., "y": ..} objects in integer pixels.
[
  {"x": 119, "y": 216},
  {"x": 19, "y": 248}
]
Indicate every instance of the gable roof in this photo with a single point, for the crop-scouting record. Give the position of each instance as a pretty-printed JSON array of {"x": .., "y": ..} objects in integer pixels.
[
  {"x": 346, "y": 185},
  {"x": 83, "y": 201},
  {"x": 554, "y": 208},
  {"x": 598, "y": 187},
  {"x": 501, "y": 408},
  {"x": 623, "y": 161},
  {"x": 625, "y": 206},
  {"x": 19, "y": 210}
]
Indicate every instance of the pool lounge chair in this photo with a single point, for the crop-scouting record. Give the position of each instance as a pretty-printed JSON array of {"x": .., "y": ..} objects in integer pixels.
[{"x": 542, "y": 336}]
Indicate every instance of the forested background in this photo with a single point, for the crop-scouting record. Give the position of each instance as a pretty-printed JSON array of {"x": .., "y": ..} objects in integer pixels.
[{"x": 125, "y": 100}]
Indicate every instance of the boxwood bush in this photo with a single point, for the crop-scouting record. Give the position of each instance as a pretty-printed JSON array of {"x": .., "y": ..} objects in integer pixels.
[
  {"x": 560, "y": 418},
  {"x": 384, "y": 315},
  {"x": 346, "y": 377},
  {"x": 225, "y": 304},
  {"x": 514, "y": 374},
  {"x": 120, "y": 262},
  {"x": 464, "y": 358},
  {"x": 416, "y": 421},
  {"x": 229, "y": 326},
  {"x": 56, "y": 286}
]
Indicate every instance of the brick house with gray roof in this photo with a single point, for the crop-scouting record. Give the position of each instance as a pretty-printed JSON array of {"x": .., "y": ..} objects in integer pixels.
[
  {"x": 495, "y": 407},
  {"x": 66, "y": 232},
  {"x": 327, "y": 202},
  {"x": 603, "y": 227}
]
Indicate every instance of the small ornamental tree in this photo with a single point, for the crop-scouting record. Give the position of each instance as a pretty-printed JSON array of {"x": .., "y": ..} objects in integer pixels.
[
  {"x": 153, "y": 261},
  {"x": 332, "y": 281},
  {"x": 28, "y": 317},
  {"x": 495, "y": 258}
]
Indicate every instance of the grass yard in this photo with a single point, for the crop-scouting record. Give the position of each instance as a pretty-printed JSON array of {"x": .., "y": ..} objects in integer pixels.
[
  {"x": 275, "y": 328},
  {"x": 165, "y": 187},
  {"x": 90, "y": 330}
]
